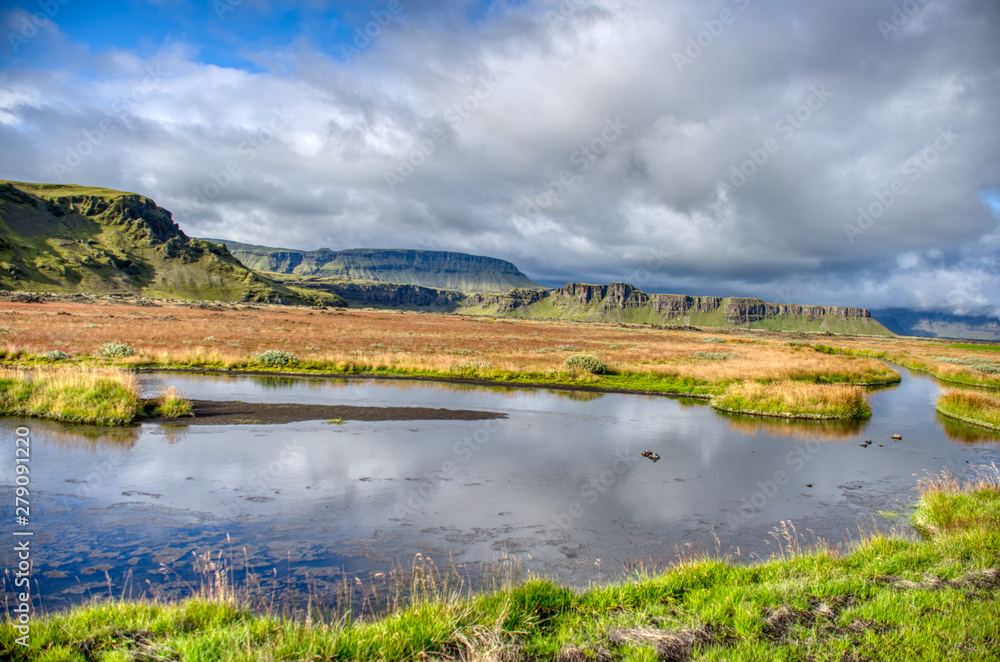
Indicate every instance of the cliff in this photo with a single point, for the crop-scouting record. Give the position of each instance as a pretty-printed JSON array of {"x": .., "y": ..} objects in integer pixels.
[
  {"x": 620, "y": 302},
  {"x": 65, "y": 238},
  {"x": 434, "y": 269}
]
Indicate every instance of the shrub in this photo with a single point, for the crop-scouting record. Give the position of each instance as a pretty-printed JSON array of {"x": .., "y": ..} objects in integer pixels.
[
  {"x": 566, "y": 348},
  {"x": 712, "y": 339},
  {"x": 275, "y": 357},
  {"x": 713, "y": 356},
  {"x": 113, "y": 350},
  {"x": 56, "y": 355},
  {"x": 587, "y": 363}
]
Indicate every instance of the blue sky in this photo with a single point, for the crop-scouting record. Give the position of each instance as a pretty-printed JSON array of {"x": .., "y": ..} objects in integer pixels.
[{"x": 842, "y": 153}]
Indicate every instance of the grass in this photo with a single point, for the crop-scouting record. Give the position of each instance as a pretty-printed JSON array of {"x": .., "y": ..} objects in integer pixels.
[
  {"x": 788, "y": 399},
  {"x": 639, "y": 358},
  {"x": 104, "y": 396},
  {"x": 888, "y": 598},
  {"x": 981, "y": 348},
  {"x": 171, "y": 404},
  {"x": 977, "y": 407}
]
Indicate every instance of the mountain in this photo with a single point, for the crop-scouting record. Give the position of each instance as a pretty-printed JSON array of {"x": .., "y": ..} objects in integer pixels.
[
  {"x": 620, "y": 302},
  {"x": 433, "y": 269},
  {"x": 67, "y": 238},
  {"x": 938, "y": 325}
]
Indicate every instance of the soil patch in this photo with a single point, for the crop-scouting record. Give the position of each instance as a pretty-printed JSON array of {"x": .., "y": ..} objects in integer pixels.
[{"x": 233, "y": 412}]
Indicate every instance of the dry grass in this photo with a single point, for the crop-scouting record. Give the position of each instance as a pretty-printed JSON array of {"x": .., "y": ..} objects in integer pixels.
[
  {"x": 364, "y": 340},
  {"x": 790, "y": 399}
]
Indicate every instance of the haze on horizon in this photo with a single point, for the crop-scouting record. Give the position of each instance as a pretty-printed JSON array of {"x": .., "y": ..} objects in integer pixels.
[{"x": 841, "y": 153}]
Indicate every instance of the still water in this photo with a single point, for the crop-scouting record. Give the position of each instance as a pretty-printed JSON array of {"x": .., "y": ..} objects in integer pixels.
[{"x": 559, "y": 483}]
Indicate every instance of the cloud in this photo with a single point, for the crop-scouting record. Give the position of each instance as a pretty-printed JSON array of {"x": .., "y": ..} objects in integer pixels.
[{"x": 740, "y": 147}]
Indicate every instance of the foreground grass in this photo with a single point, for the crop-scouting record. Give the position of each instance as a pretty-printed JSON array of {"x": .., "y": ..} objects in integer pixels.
[
  {"x": 976, "y": 407},
  {"x": 104, "y": 396},
  {"x": 937, "y": 598},
  {"x": 790, "y": 399},
  {"x": 99, "y": 396}
]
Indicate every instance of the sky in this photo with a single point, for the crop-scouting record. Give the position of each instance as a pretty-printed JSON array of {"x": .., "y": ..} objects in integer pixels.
[{"x": 824, "y": 152}]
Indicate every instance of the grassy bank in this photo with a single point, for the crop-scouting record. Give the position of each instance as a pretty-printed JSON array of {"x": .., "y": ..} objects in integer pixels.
[
  {"x": 103, "y": 396},
  {"x": 936, "y": 598},
  {"x": 977, "y": 407},
  {"x": 794, "y": 400},
  {"x": 100, "y": 396}
]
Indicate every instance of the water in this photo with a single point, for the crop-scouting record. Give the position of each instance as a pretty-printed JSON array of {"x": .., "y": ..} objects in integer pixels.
[{"x": 559, "y": 483}]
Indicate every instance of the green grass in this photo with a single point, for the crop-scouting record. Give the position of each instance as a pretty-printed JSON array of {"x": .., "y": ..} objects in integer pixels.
[
  {"x": 985, "y": 348},
  {"x": 171, "y": 404},
  {"x": 889, "y": 598},
  {"x": 976, "y": 407},
  {"x": 103, "y": 397}
]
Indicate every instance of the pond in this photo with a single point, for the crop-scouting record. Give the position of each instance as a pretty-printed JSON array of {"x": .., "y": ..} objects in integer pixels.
[{"x": 559, "y": 484}]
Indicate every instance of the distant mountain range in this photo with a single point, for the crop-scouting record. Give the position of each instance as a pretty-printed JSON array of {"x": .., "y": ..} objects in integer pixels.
[
  {"x": 907, "y": 322},
  {"x": 66, "y": 238},
  {"x": 435, "y": 269}
]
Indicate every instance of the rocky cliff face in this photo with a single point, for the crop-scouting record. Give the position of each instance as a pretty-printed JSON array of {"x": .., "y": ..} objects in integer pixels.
[
  {"x": 434, "y": 269},
  {"x": 744, "y": 311},
  {"x": 390, "y": 295},
  {"x": 621, "y": 302}
]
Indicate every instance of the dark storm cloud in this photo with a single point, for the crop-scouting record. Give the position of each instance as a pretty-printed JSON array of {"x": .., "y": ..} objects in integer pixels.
[{"x": 822, "y": 152}]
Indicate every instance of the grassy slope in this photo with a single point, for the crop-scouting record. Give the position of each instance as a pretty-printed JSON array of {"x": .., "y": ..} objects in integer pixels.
[
  {"x": 889, "y": 599},
  {"x": 62, "y": 241}
]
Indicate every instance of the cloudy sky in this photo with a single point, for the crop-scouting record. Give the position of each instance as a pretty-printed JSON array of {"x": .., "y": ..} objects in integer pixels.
[{"x": 833, "y": 152}]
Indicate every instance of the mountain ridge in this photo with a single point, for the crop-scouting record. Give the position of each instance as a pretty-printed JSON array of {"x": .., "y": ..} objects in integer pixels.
[{"x": 445, "y": 270}]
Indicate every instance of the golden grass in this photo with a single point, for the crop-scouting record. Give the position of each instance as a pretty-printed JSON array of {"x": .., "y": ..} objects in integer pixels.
[
  {"x": 409, "y": 342},
  {"x": 789, "y": 399}
]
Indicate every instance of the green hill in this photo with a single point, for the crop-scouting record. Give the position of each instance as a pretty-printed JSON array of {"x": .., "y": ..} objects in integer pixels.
[
  {"x": 67, "y": 238},
  {"x": 433, "y": 269}
]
